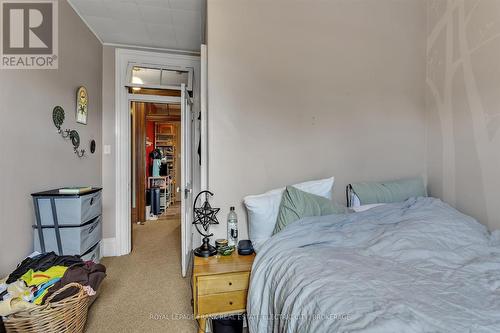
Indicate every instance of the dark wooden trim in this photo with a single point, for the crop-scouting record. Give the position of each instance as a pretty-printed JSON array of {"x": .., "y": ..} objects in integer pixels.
[
  {"x": 140, "y": 158},
  {"x": 152, "y": 114},
  {"x": 133, "y": 216},
  {"x": 143, "y": 112},
  {"x": 160, "y": 118},
  {"x": 157, "y": 92}
]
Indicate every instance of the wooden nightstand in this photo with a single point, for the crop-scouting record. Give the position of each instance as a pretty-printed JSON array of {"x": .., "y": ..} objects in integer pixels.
[{"x": 220, "y": 286}]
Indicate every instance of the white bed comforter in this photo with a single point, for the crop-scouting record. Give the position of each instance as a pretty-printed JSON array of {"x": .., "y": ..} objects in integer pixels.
[{"x": 418, "y": 266}]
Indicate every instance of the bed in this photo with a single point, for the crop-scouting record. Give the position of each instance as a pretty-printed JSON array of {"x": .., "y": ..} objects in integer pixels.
[{"x": 415, "y": 266}]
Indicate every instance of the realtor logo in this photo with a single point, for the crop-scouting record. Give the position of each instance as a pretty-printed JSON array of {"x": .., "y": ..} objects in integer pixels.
[{"x": 29, "y": 34}]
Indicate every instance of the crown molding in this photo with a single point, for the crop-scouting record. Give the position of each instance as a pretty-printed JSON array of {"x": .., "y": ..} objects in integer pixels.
[{"x": 147, "y": 48}]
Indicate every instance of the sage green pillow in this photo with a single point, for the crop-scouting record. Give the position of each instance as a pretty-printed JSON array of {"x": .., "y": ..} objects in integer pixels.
[
  {"x": 391, "y": 191},
  {"x": 296, "y": 204}
]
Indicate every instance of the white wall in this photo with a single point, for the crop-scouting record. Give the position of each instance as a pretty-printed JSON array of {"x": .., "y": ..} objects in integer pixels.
[
  {"x": 33, "y": 156},
  {"x": 463, "y": 80},
  {"x": 300, "y": 90}
]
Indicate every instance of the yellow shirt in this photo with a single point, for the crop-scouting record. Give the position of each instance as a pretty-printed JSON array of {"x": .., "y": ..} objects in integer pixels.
[{"x": 37, "y": 278}]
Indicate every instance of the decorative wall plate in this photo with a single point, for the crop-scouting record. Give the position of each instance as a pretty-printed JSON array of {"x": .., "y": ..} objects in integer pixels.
[
  {"x": 82, "y": 102},
  {"x": 58, "y": 116}
]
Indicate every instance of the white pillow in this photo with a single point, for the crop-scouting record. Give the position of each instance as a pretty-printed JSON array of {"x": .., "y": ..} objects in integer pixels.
[
  {"x": 362, "y": 208},
  {"x": 263, "y": 208}
]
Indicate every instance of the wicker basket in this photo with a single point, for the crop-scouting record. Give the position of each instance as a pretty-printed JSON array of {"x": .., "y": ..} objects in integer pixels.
[{"x": 68, "y": 315}]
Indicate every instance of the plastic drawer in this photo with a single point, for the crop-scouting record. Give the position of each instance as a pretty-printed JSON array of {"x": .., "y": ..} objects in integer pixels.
[
  {"x": 74, "y": 239},
  {"x": 71, "y": 210},
  {"x": 94, "y": 254}
]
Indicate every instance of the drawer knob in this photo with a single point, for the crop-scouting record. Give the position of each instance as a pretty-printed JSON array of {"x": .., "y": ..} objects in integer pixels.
[
  {"x": 230, "y": 283},
  {"x": 230, "y": 303}
]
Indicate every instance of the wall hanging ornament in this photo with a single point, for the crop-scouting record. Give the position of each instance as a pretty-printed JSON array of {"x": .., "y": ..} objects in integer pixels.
[
  {"x": 92, "y": 146},
  {"x": 205, "y": 215},
  {"x": 82, "y": 102},
  {"x": 58, "y": 119},
  {"x": 75, "y": 140}
]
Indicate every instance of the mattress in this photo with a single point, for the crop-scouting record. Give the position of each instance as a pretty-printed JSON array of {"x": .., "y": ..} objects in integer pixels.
[{"x": 416, "y": 266}]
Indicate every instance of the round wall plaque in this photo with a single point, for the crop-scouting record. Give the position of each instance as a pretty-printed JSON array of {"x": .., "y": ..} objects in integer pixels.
[{"x": 58, "y": 116}]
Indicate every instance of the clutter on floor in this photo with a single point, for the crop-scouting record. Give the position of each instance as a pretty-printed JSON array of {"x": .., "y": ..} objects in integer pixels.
[{"x": 45, "y": 286}]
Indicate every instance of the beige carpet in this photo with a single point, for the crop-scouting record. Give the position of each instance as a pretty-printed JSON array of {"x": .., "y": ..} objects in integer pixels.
[
  {"x": 173, "y": 210},
  {"x": 144, "y": 291}
]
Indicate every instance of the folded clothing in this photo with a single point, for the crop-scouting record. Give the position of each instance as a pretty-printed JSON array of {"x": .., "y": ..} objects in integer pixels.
[
  {"x": 86, "y": 274},
  {"x": 42, "y": 262}
]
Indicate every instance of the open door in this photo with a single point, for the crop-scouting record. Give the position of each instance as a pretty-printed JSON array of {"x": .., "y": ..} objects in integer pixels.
[{"x": 186, "y": 180}]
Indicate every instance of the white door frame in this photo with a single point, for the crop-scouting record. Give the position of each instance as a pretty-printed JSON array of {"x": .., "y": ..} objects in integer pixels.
[
  {"x": 187, "y": 179},
  {"x": 123, "y": 57},
  {"x": 204, "y": 117}
]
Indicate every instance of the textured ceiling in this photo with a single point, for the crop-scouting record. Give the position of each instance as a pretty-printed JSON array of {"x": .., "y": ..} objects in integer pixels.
[{"x": 170, "y": 24}]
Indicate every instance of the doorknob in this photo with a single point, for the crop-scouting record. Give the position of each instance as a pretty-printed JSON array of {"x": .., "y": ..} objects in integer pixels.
[{"x": 186, "y": 191}]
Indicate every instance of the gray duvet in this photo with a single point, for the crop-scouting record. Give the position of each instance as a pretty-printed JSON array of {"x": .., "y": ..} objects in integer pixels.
[{"x": 417, "y": 266}]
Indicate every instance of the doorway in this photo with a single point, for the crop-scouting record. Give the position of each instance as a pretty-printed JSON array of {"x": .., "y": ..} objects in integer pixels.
[
  {"x": 156, "y": 153},
  {"x": 172, "y": 69},
  {"x": 169, "y": 115}
]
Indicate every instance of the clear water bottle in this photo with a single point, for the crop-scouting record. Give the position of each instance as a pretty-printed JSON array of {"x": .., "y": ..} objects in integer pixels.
[{"x": 232, "y": 228}]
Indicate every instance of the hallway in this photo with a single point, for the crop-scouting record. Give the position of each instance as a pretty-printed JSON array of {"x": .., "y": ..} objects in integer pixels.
[{"x": 144, "y": 291}]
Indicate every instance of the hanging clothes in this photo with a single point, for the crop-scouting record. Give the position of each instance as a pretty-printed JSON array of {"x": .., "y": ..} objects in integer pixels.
[{"x": 156, "y": 168}]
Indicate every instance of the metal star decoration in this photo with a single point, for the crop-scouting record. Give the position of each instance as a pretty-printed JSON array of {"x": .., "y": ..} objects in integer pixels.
[{"x": 205, "y": 215}]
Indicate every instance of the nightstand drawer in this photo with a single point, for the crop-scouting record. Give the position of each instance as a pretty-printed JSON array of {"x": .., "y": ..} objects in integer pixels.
[
  {"x": 222, "y": 283},
  {"x": 222, "y": 302}
]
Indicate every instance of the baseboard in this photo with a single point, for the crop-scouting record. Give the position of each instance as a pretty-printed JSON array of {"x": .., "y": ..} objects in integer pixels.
[{"x": 108, "y": 247}]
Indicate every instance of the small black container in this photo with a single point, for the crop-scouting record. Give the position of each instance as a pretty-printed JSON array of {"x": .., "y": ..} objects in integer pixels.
[
  {"x": 230, "y": 324},
  {"x": 245, "y": 247}
]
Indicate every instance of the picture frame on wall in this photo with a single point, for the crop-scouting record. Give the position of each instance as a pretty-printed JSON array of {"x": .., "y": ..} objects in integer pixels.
[{"x": 82, "y": 108}]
